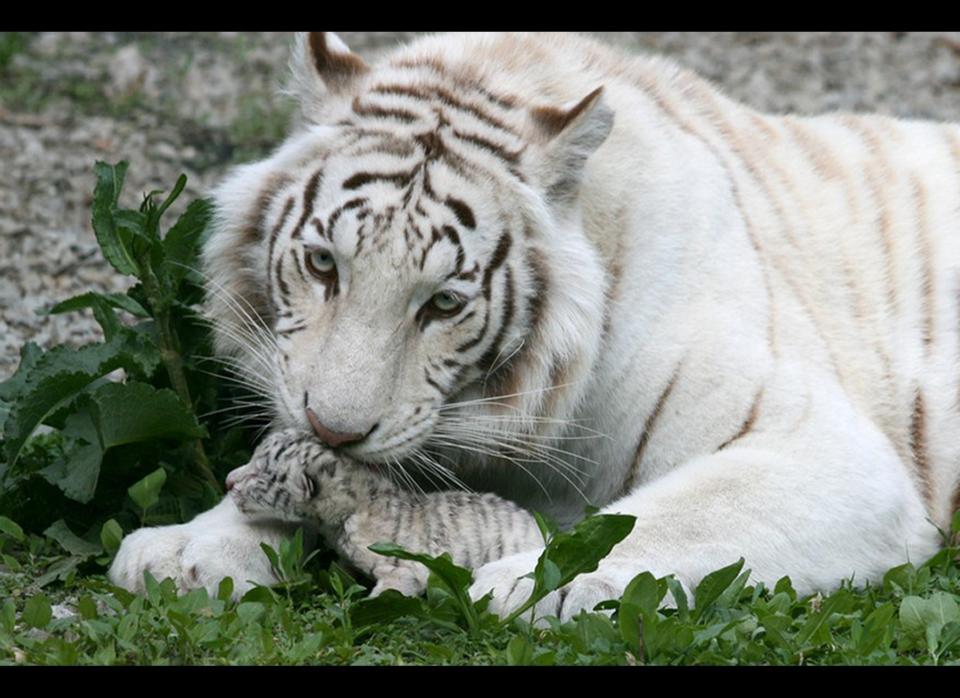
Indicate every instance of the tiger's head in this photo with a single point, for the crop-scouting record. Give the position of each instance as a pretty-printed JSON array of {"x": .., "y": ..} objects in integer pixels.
[{"x": 409, "y": 267}]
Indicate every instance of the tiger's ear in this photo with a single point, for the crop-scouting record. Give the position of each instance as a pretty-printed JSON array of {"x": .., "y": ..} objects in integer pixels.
[
  {"x": 322, "y": 65},
  {"x": 566, "y": 137}
]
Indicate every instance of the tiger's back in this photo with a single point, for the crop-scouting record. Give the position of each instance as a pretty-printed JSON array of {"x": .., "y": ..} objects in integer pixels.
[{"x": 839, "y": 234}]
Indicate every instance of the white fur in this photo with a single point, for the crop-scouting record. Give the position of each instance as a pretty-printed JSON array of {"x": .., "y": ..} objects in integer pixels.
[{"x": 753, "y": 272}]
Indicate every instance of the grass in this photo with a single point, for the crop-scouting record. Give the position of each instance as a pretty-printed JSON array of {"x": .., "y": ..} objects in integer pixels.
[{"x": 321, "y": 616}]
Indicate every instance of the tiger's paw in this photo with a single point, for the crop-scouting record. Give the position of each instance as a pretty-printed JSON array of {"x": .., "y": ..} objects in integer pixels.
[
  {"x": 511, "y": 589},
  {"x": 197, "y": 558}
]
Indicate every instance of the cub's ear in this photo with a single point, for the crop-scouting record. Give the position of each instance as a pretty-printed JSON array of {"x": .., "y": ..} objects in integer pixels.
[
  {"x": 566, "y": 137},
  {"x": 322, "y": 65}
]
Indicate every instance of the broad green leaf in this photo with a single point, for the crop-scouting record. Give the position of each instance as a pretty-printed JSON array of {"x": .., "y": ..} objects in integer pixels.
[
  {"x": 456, "y": 580},
  {"x": 575, "y": 552},
  {"x": 713, "y": 585},
  {"x": 552, "y": 575},
  {"x": 114, "y": 244},
  {"x": 644, "y": 593},
  {"x": 873, "y": 628},
  {"x": 146, "y": 492},
  {"x": 87, "y": 607},
  {"x": 225, "y": 589},
  {"x": 386, "y": 607},
  {"x": 902, "y": 576},
  {"x": 69, "y": 541},
  {"x": 260, "y": 594},
  {"x": 454, "y": 577},
  {"x": 11, "y": 529},
  {"x": 111, "y": 536},
  {"x": 922, "y": 618},
  {"x": 77, "y": 471},
  {"x": 250, "y": 611},
  {"x": 912, "y": 616},
  {"x": 172, "y": 196},
  {"x": 949, "y": 636},
  {"x": 638, "y": 605},
  {"x": 816, "y": 631},
  {"x": 30, "y": 354},
  {"x": 8, "y": 615},
  {"x": 679, "y": 596},
  {"x": 942, "y": 608},
  {"x": 580, "y": 550},
  {"x": 91, "y": 298},
  {"x": 182, "y": 241},
  {"x": 547, "y": 527},
  {"x": 132, "y": 412},
  {"x": 519, "y": 651},
  {"x": 274, "y": 559},
  {"x": 59, "y": 375},
  {"x": 37, "y": 612}
]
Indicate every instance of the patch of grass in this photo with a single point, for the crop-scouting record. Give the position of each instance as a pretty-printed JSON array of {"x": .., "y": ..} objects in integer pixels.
[{"x": 321, "y": 616}]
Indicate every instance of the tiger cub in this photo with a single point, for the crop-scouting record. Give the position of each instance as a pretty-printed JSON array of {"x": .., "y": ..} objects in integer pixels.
[{"x": 295, "y": 478}]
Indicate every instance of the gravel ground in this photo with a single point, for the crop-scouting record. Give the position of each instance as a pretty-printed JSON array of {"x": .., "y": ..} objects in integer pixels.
[{"x": 198, "y": 103}]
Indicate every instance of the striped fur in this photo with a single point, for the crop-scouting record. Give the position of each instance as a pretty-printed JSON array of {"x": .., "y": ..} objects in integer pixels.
[
  {"x": 757, "y": 314},
  {"x": 297, "y": 479}
]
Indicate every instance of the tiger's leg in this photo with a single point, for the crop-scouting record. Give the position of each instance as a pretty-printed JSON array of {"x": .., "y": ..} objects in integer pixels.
[
  {"x": 822, "y": 503},
  {"x": 218, "y": 543}
]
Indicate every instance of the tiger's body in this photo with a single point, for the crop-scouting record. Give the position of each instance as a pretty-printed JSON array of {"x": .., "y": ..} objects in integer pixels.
[
  {"x": 758, "y": 313},
  {"x": 295, "y": 478}
]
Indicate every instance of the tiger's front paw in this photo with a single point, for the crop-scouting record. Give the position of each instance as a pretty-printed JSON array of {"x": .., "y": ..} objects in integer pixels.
[
  {"x": 196, "y": 557},
  {"x": 156, "y": 550},
  {"x": 511, "y": 588}
]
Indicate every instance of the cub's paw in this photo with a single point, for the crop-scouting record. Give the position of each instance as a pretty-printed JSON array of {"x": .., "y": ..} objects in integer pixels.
[{"x": 405, "y": 582}]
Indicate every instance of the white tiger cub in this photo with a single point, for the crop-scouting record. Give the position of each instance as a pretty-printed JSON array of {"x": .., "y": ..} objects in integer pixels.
[
  {"x": 482, "y": 252},
  {"x": 294, "y": 478}
]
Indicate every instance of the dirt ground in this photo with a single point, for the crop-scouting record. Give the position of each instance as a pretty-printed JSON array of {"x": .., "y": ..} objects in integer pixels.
[{"x": 199, "y": 103}]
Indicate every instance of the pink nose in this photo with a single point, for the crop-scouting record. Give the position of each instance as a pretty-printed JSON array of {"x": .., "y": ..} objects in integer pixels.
[
  {"x": 328, "y": 436},
  {"x": 233, "y": 477}
]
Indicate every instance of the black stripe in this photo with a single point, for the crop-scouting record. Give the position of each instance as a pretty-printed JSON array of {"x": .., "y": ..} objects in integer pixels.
[
  {"x": 492, "y": 353},
  {"x": 425, "y": 93},
  {"x": 507, "y": 156},
  {"x": 499, "y": 255},
  {"x": 431, "y": 382},
  {"x": 274, "y": 234},
  {"x": 360, "y": 179},
  {"x": 463, "y": 212},
  {"x": 383, "y": 112},
  {"x": 308, "y": 196},
  {"x": 337, "y": 212}
]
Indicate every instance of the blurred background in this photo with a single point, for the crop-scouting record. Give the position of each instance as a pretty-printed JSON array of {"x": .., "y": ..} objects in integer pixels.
[{"x": 198, "y": 103}]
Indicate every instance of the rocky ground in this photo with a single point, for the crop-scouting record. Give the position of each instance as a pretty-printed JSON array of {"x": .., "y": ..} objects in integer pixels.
[{"x": 198, "y": 103}]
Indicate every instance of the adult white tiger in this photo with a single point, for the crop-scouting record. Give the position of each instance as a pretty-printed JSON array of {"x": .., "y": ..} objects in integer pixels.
[{"x": 759, "y": 313}]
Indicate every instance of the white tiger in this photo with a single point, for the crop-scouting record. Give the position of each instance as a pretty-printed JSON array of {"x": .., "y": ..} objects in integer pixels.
[{"x": 571, "y": 276}]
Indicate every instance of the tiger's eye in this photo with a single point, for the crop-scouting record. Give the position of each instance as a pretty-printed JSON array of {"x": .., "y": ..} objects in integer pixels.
[
  {"x": 446, "y": 303},
  {"x": 321, "y": 263}
]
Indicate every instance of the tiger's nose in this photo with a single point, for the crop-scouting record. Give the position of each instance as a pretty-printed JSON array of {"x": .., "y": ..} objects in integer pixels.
[{"x": 334, "y": 438}]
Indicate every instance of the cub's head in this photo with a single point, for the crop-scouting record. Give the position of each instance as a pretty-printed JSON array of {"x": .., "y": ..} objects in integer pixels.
[
  {"x": 285, "y": 476},
  {"x": 411, "y": 256}
]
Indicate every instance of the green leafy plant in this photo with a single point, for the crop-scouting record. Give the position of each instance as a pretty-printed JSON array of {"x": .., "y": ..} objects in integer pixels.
[{"x": 110, "y": 431}]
